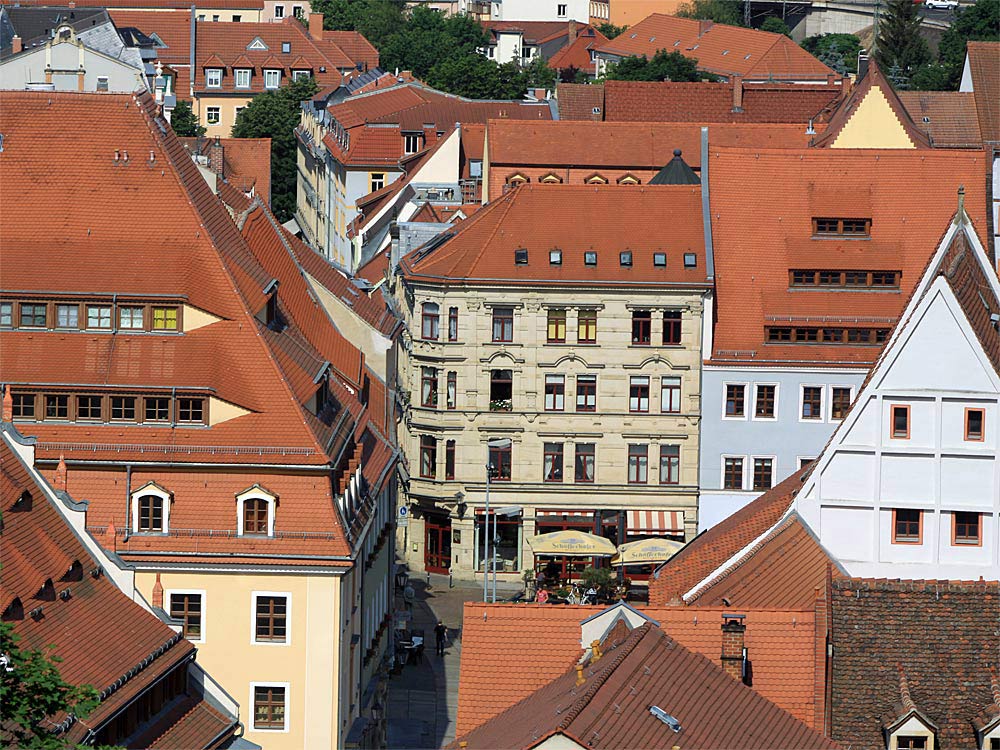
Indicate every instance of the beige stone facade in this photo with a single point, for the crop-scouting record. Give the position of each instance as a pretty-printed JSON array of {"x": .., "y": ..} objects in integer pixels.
[{"x": 444, "y": 530}]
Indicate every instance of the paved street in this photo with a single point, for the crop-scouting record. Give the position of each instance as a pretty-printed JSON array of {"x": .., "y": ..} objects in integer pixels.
[{"x": 423, "y": 698}]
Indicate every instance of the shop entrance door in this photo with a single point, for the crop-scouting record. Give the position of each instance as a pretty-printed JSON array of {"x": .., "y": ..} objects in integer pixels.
[{"x": 437, "y": 545}]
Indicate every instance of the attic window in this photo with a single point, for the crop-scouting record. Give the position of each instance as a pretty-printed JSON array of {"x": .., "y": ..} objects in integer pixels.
[
  {"x": 286, "y": 48},
  {"x": 555, "y": 257},
  {"x": 927, "y": 119},
  {"x": 257, "y": 44},
  {"x": 690, "y": 260},
  {"x": 75, "y": 572},
  {"x": 590, "y": 258},
  {"x": 842, "y": 227},
  {"x": 625, "y": 257},
  {"x": 47, "y": 593},
  {"x": 660, "y": 260},
  {"x": 521, "y": 256},
  {"x": 596, "y": 110},
  {"x": 14, "y": 611}
]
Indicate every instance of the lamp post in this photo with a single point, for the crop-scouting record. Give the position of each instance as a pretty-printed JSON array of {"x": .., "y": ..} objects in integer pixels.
[
  {"x": 507, "y": 510},
  {"x": 487, "y": 559}
]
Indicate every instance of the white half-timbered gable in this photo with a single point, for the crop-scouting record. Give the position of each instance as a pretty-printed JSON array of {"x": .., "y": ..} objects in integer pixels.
[{"x": 909, "y": 484}]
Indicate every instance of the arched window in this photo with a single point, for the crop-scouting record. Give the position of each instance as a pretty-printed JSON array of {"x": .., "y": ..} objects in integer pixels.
[
  {"x": 150, "y": 510},
  {"x": 597, "y": 179},
  {"x": 551, "y": 179},
  {"x": 517, "y": 179},
  {"x": 255, "y": 508},
  {"x": 628, "y": 179},
  {"x": 430, "y": 321}
]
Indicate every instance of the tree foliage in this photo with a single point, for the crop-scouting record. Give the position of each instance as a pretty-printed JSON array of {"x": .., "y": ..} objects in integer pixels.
[
  {"x": 839, "y": 51},
  {"x": 275, "y": 115},
  {"x": 183, "y": 121},
  {"x": 665, "y": 66},
  {"x": 31, "y": 690},
  {"x": 427, "y": 38},
  {"x": 899, "y": 44},
  {"x": 475, "y": 77},
  {"x": 776, "y": 26},
  {"x": 610, "y": 30},
  {"x": 973, "y": 23},
  {"x": 720, "y": 11}
]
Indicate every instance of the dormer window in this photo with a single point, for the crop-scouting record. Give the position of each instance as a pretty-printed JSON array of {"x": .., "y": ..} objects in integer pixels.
[
  {"x": 243, "y": 78},
  {"x": 151, "y": 510},
  {"x": 255, "y": 511},
  {"x": 213, "y": 78},
  {"x": 551, "y": 179},
  {"x": 516, "y": 179},
  {"x": 272, "y": 79},
  {"x": 411, "y": 143},
  {"x": 298, "y": 75}
]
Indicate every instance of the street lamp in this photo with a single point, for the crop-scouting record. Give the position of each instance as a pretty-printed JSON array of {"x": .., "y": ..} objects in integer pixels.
[{"x": 490, "y": 473}]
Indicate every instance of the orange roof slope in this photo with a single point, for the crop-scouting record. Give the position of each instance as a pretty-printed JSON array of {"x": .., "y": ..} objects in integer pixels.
[
  {"x": 98, "y": 632},
  {"x": 714, "y": 102},
  {"x": 753, "y": 230},
  {"x": 984, "y": 69},
  {"x": 509, "y": 651},
  {"x": 948, "y": 117},
  {"x": 606, "y": 219},
  {"x": 580, "y": 101},
  {"x": 720, "y": 49},
  {"x": 173, "y": 27},
  {"x": 608, "y": 705},
  {"x": 577, "y": 54},
  {"x": 629, "y": 12},
  {"x": 246, "y": 162}
]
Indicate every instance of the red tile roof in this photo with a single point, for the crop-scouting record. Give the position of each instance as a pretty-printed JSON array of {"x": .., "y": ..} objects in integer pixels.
[
  {"x": 535, "y": 32},
  {"x": 606, "y": 219},
  {"x": 720, "y": 49},
  {"x": 509, "y": 651},
  {"x": 246, "y": 162},
  {"x": 577, "y": 54},
  {"x": 984, "y": 69},
  {"x": 173, "y": 27},
  {"x": 749, "y": 225},
  {"x": 951, "y": 117},
  {"x": 608, "y": 706},
  {"x": 578, "y": 101},
  {"x": 710, "y": 549},
  {"x": 103, "y": 638}
]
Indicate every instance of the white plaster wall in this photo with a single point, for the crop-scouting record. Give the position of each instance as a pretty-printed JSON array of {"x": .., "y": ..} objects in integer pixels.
[
  {"x": 907, "y": 553},
  {"x": 865, "y": 430},
  {"x": 907, "y": 478},
  {"x": 967, "y": 481},
  {"x": 969, "y": 554},
  {"x": 953, "y": 425},
  {"x": 847, "y": 532},
  {"x": 850, "y": 476}
]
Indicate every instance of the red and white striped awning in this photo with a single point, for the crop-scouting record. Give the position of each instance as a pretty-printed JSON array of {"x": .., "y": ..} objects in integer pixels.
[
  {"x": 547, "y": 513},
  {"x": 655, "y": 522}
]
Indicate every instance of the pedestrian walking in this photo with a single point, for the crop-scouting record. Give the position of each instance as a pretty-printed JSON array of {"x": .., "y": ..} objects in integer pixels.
[
  {"x": 440, "y": 634},
  {"x": 408, "y": 596}
]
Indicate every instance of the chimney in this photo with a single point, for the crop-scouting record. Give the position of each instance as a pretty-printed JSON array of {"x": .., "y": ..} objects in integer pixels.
[
  {"x": 579, "y": 675},
  {"x": 111, "y": 537},
  {"x": 316, "y": 25},
  {"x": 704, "y": 26},
  {"x": 215, "y": 154},
  {"x": 59, "y": 481},
  {"x": 595, "y": 650},
  {"x": 16, "y": 45},
  {"x": 733, "y": 632},
  {"x": 158, "y": 593},
  {"x": 737, "y": 93},
  {"x": 862, "y": 65},
  {"x": 572, "y": 31},
  {"x": 539, "y": 94},
  {"x": 8, "y": 405}
]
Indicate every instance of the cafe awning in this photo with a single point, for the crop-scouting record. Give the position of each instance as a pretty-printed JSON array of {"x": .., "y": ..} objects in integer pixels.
[
  {"x": 646, "y": 551},
  {"x": 571, "y": 543},
  {"x": 655, "y": 522}
]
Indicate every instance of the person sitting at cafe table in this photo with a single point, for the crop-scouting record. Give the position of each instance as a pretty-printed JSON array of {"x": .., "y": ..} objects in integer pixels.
[{"x": 542, "y": 596}]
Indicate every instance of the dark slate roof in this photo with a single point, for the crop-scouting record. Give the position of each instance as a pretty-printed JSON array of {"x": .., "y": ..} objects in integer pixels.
[
  {"x": 35, "y": 25},
  {"x": 676, "y": 172},
  {"x": 939, "y": 657}
]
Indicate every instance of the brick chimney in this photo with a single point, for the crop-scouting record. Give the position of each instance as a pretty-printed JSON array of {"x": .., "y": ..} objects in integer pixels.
[
  {"x": 111, "y": 537},
  {"x": 158, "y": 593},
  {"x": 215, "y": 157},
  {"x": 737, "y": 93},
  {"x": 733, "y": 632},
  {"x": 16, "y": 45},
  {"x": 704, "y": 26},
  {"x": 59, "y": 481},
  {"x": 8, "y": 405},
  {"x": 316, "y": 25},
  {"x": 572, "y": 31}
]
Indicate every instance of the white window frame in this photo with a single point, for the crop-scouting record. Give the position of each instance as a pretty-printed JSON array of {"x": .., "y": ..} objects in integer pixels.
[
  {"x": 722, "y": 472},
  {"x": 270, "y": 683},
  {"x": 746, "y": 401},
  {"x": 209, "y": 111},
  {"x": 748, "y": 471},
  {"x": 256, "y": 492},
  {"x": 204, "y": 620},
  {"x": 213, "y": 78},
  {"x": 254, "y": 596},
  {"x": 800, "y": 459},
  {"x": 239, "y": 73},
  {"x": 753, "y": 406},
  {"x": 151, "y": 488},
  {"x": 564, "y": 8},
  {"x": 823, "y": 407},
  {"x": 407, "y": 137},
  {"x": 680, "y": 393},
  {"x": 269, "y": 74},
  {"x": 299, "y": 74},
  {"x": 279, "y": 11},
  {"x": 829, "y": 401}
]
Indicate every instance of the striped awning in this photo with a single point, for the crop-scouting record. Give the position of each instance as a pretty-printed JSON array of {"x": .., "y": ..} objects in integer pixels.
[
  {"x": 555, "y": 513},
  {"x": 655, "y": 522}
]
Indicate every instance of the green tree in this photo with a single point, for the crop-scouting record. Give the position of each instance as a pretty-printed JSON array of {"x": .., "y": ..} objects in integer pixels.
[
  {"x": 538, "y": 74},
  {"x": 839, "y": 51},
  {"x": 475, "y": 77},
  {"x": 275, "y": 115},
  {"x": 720, "y": 11},
  {"x": 428, "y": 38},
  {"x": 610, "y": 30},
  {"x": 31, "y": 690},
  {"x": 979, "y": 23},
  {"x": 776, "y": 26},
  {"x": 183, "y": 121},
  {"x": 931, "y": 77},
  {"x": 665, "y": 66},
  {"x": 376, "y": 19},
  {"x": 899, "y": 43}
]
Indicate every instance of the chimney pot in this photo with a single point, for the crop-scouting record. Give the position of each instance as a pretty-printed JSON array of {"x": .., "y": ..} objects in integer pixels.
[
  {"x": 16, "y": 45},
  {"x": 316, "y": 25},
  {"x": 216, "y": 154},
  {"x": 579, "y": 675},
  {"x": 572, "y": 31},
  {"x": 60, "y": 479},
  {"x": 703, "y": 26}
]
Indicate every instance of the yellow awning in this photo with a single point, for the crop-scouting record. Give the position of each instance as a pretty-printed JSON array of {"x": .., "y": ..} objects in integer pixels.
[
  {"x": 646, "y": 551},
  {"x": 571, "y": 543}
]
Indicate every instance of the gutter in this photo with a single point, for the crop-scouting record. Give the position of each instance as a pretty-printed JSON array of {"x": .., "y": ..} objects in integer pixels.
[
  {"x": 325, "y": 467},
  {"x": 706, "y": 208},
  {"x": 194, "y": 35}
]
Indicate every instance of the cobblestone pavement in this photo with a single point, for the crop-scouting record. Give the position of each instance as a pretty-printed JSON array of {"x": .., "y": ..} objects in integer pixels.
[{"x": 423, "y": 698}]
